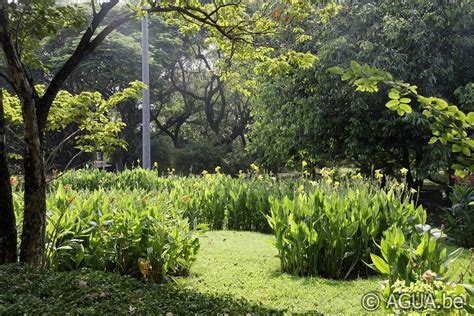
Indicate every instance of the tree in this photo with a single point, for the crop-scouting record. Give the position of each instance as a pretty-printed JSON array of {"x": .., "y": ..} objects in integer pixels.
[
  {"x": 311, "y": 116},
  {"x": 450, "y": 126},
  {"x": 85, "y": 121},
  {"x": 24, "y": 26},
  {"x": 8, "y": 241}
]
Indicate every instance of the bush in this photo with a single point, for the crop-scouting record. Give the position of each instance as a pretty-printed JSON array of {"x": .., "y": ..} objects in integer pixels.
[
  {"x": 129, "y": 232},
  {"x": 219, "y": 200},
  {"x": 330, "y": 231},
  {"x": 407, "y": 258},
  {"x": 415, "y": 268},
  {"x": 460, "y": 217}
]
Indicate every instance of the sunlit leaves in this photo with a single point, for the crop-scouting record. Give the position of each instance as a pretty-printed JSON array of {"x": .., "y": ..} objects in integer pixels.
[
  {"x": 89, "y": 111},
  {"x": 33, "y": 21}
]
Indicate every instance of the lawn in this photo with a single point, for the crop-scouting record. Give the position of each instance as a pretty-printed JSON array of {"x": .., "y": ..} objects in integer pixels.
[{"x": 235, "y": 272}]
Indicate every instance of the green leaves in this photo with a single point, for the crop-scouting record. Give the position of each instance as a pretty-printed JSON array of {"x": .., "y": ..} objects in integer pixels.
[
  {"x": 449, "y": 125},
  {"x": 129, "y": 232},
  {"x": 98, "y": 128},
  {"x": 330, "y": 232},
  {"x": 408, "y": 258},
  {"x": 379, "y": 264}
]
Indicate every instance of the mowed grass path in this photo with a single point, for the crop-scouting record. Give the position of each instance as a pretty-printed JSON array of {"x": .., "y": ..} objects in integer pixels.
[{"x": 244, "y": 265}]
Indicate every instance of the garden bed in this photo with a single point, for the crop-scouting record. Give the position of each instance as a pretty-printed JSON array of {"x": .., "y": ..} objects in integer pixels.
[{"x": 235, "y": 272}]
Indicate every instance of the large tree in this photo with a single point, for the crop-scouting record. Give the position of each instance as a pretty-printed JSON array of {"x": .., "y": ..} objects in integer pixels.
[
  {"x": 25, "y": 25},
  {"x": 312, "y": 116}
]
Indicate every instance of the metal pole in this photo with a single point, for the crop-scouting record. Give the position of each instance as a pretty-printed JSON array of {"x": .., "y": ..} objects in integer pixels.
[{"x": 146, "y": 156}]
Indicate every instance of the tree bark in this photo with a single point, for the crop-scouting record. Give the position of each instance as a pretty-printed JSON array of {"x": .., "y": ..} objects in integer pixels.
[
  {"x": 8, "y": 241},
  {"x": 34, "y": 222},
  {"x": 32, "y": 239}
]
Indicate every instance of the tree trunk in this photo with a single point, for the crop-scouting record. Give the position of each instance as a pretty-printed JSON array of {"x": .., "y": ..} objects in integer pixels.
[
  {"x": 8, "y": 243},
  {"x": 33, "y": 234}
]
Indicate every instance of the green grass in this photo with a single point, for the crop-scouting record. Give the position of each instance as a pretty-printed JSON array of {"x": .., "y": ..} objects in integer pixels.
[
  {"x": 244, "y": 265},
  {"x": 235, "y": 273}
]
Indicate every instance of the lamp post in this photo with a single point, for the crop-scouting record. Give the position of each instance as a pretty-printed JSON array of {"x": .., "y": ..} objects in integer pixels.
[{"x": 146, "y": 156}]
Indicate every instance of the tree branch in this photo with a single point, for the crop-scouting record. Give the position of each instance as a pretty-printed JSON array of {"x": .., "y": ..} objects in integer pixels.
[
  {"x": 20, "y": 80},
  {"x": 7, "y": 80},
  {"x": 85, "y": 46}
]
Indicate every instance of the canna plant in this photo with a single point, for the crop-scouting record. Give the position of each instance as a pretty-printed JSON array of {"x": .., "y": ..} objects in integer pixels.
[
  {"x": 460, "y": 216},
  {"x": 119, "y": 231},
  {"x": 330, "y": 231},
  {"x": 408, "y": 257},
  {"x": 415, "y": 268}
]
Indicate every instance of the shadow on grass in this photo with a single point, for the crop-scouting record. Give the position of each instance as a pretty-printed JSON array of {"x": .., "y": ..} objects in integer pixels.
[
  {"x": 31, "y": 290},
  {"x": 278, "y": 274}
]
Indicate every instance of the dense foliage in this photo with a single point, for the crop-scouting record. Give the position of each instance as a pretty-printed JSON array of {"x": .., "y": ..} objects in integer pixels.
[
  {"x": 310, "y": 116},
  {"x": 417, "y": 265},
  {"x": 235, "y": 84},
  {"x": 460, "y": 216},
  {"x": 322, "y": 227},
  {"x": 124, "y": 231},
  {"x": 218, "y": 200},
  {"x": 331, "y": 231}
]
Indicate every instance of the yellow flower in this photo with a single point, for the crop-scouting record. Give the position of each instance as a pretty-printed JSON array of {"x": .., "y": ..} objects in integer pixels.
[
  {"x": 218, "y": 169},
  {"x": 306, "y": 173},
  {"x": 412, "y": 190},
  {"x": 404, "y": 171},
  {"x": 378, "y": 174},
  {"x": 304, "y": 164},
  {"x": 326, "y": 172},
  {"x": 357, "y": 177},
  {"x": 185, "y": 199},
  {"x": 155, "y": 164},
  {"x": 145, "y": 267},
  {"x": 241, "y": 174},
  {"x": 255, "y": 168},
  {"x": 260, "y": 177},
  {"x": 204, "y": 172}
]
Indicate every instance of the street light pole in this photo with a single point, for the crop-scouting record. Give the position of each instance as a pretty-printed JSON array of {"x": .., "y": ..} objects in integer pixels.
[{"x": 146, "y": 156}]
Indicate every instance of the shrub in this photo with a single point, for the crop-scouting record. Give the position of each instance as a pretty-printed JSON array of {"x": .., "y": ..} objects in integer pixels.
[
  {"x": 128, "y": 232},
  {"x": 219, "y": 200},
  {"x": 415, "y": 268},
  {"x": 329, "y": 231},
  {"x": 407, "y": 258},
  {"x": 460, "y": 217}
]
